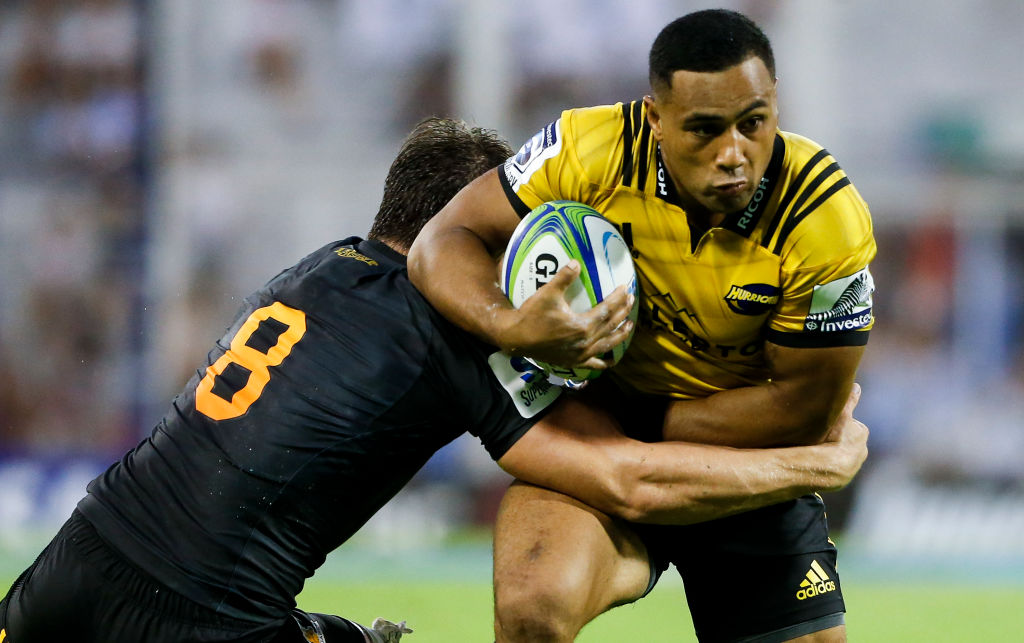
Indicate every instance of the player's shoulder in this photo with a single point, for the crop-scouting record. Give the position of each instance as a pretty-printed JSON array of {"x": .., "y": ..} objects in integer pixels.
[
  {"x": 817, "y": 204},
  {"x": 356, "y": 277},
  {"x": 603, "y": 118},
  {"x": 344, "y": 264},
  {"x": 599, "y": 125},
  {"x": 807, "y": 165},
  {"x": 601, "y": 136}
]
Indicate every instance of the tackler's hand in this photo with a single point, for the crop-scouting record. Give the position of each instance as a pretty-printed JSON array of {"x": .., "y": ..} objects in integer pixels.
[
  {"x": 848, "y": 440},
  {"x": 547, "y": 329}
]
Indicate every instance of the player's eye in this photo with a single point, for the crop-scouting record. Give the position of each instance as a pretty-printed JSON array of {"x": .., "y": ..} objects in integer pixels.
[
  {"x": 705, "y": 130},
  {"x": 751, "y": 124}
]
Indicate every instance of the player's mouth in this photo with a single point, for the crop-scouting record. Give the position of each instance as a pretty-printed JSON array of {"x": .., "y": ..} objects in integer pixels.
[{"x": 731, "y": 189}]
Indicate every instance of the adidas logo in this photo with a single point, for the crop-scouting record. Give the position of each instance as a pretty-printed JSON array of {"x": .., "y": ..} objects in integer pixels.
[{"x": 816, "y": 583}]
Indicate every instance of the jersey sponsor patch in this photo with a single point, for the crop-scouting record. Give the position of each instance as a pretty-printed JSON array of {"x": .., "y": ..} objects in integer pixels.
[
  {"x": 526, "y": 384},
  {"x": 545, "y": 144},
  {"x": 752, "y": 299},
  {"x": 841, "y": 305}
]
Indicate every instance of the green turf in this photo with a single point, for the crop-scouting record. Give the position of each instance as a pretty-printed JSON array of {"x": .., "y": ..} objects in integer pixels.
[
  {"x": 456, "y": 612},
  {"x": 446, "y": 598}
]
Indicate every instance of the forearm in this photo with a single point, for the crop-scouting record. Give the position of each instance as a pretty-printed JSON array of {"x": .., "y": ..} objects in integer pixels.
[
  {"x": 805, "y": 394},
  {"x": 579, "y": 451},
  {"x": 747, "y": 417},
  {"x": 689, "y": 483},
  {"x": 682, "y": 483}
]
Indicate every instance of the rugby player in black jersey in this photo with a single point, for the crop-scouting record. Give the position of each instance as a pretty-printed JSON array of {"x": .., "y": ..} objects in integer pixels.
[{"x": 333, "y": 386}]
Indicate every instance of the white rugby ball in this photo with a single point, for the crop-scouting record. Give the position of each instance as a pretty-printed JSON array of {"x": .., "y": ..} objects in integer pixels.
[{"x": 547, "y": 239}]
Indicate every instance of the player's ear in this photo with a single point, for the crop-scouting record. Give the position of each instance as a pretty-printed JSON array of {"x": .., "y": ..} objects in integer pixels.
[
  {"x": 653, "y": 116},
  {"x": 775, "y": 97}
]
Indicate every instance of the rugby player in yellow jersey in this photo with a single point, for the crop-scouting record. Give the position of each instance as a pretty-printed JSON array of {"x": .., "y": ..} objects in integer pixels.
[{"x": 752, "y": 249}]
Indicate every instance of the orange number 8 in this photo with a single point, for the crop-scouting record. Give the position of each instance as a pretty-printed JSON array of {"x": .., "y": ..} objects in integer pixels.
[{"x": 257, "y": 362}]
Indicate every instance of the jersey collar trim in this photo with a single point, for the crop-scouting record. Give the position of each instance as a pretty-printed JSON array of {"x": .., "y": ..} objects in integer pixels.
[
  {"x": 380, "y": 250},
  {"x": 665, "y": 188},
  {"x": 517, "y": 204}
]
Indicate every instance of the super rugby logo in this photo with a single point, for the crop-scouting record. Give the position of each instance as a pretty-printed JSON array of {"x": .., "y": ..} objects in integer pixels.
[
  {"x": 527, "y": 387},
  {"x": 545, "y": 144},
  {"x": 752, "y": 299},
  {"x": 841, "y": 305}
]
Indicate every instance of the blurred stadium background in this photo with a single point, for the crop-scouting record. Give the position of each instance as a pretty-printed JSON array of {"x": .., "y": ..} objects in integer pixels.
[{"x": 159, "y": 160}]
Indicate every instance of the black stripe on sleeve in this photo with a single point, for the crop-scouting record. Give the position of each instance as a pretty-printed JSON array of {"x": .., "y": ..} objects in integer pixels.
[
  {"x": 517, "y": 204},
  {"x": 791, "y": 193},
  {"x": 817, "y": 340},
  {"x": 643, "y": 151},
  {"x": 805, "y": 194},
  {"x": 627, "y": 144},
  {"x": 792, "y": 222}
]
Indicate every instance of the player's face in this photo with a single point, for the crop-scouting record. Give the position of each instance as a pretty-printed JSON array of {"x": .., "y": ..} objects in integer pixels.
[{"x": 716, "y": 131}]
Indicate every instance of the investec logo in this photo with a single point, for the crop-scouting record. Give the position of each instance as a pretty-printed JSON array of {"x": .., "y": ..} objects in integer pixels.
[
  {"x": 842, "y": 304},
  {"x": 816, "y": 583}
]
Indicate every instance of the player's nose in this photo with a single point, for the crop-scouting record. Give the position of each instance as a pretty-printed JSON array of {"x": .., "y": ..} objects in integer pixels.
[{"x": 730, "y": 156}]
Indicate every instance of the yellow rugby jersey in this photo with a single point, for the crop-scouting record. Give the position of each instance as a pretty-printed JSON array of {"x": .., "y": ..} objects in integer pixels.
[{"x": 791, "y": 268}]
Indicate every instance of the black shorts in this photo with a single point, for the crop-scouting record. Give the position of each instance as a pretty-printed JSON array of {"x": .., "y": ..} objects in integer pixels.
[
  {"x": 765, "y": 575},
  {"x": 80, "y": 590}
]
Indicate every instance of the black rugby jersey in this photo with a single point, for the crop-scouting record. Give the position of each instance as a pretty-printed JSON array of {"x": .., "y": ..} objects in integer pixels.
[{"x": 334, "y": 385}]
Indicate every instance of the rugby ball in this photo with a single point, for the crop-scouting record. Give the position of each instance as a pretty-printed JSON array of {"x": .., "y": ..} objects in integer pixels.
[{"x": 548, "y": 238}]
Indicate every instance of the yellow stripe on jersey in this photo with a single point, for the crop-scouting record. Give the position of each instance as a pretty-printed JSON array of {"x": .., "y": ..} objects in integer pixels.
[{"x": 791, "y": 267}]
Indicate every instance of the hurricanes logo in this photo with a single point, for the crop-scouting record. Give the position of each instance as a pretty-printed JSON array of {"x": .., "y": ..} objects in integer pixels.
[
  {"x": 752, "y": 299},
  {"x": 816, "y": 583}
]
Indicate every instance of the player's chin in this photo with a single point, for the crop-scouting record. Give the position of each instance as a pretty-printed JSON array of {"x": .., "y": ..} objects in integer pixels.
[{"x": 718, "y": 202}]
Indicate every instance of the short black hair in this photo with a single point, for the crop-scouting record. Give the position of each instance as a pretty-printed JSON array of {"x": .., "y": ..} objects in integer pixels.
[
  {"x": 437, "y": 159},
  {"x": 706, "y": 41}
]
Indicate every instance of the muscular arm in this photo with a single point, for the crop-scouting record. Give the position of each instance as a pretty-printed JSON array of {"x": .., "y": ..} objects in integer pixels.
[
  {"x": 452, "y": 262},
  {"x": 578, "y": 450},
  {"x": 806, "y": 393}
]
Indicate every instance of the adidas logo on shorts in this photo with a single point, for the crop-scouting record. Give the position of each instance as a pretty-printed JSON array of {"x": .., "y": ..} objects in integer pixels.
[{"x": 816, "y": 583}]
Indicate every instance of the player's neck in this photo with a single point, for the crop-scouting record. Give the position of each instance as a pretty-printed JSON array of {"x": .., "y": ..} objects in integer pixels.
[{"x": 701, "y": 219}]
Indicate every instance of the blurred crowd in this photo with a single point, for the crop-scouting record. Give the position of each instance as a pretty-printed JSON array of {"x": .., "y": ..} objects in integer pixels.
[
  {"x": 159, "y": 160},
  {"x": 71, "y": 217}
]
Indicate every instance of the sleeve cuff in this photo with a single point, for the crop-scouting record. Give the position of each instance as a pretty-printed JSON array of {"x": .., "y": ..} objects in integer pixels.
[
  {"x": 517, "y": 204},
  {"x": 817, "y": 340}
]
